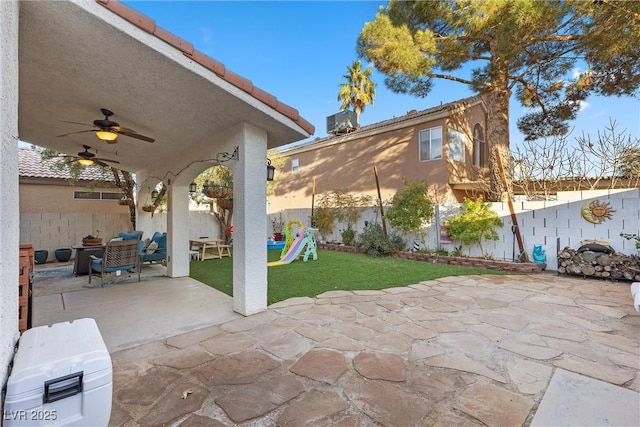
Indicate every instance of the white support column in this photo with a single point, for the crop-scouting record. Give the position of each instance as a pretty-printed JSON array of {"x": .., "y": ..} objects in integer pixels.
[
  {"x": 9, "y": 207},
  {"x": 250, "y": 220},
  {"x": 178, "y": 230}
]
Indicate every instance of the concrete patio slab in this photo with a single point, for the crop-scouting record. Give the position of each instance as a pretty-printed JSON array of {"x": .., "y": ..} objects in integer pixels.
[
  {"x": 132, "y": 313},
  {"x": 575, "y": 400}
]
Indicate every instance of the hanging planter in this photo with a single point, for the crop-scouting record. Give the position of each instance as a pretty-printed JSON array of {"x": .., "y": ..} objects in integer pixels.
[
  {"x": 124, "y": 202},
  {"x": 217, "y": 191},
  {"x": 149, "y": 208},
  {"x": 225, "y": 203}
]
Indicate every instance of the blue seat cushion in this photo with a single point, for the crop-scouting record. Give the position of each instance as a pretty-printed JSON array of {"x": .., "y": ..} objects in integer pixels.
[
  {"x": 130, "y": 235},
  {"x": 160, "y": 253},
  {"x": 96, "y": 265},
  {"x": 161, "y": 239}
]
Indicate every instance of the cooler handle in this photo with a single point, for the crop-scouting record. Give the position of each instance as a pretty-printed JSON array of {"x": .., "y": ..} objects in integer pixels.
[{"x": 63, "y": 387}]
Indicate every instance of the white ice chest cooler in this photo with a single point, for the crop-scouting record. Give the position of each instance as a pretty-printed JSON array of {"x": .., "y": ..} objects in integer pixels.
[{"x": 61, "y": 376}]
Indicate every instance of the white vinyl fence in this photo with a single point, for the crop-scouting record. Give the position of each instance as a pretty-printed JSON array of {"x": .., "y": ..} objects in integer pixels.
[{"x": 545, "y": 223}]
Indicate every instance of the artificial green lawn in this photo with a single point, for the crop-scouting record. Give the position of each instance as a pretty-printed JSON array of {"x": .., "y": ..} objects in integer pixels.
[{"x": 332, "y": 271}]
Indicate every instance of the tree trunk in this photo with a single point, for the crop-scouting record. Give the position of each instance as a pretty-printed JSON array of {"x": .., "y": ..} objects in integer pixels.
[
  {"x": 498, "y": 136},
  {"x": 224, "y": 217},
  {"x": 127, "y": 187},
  {"x": 496, "y": 98}
]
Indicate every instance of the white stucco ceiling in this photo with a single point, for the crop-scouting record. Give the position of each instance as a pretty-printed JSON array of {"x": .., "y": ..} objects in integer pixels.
[{"x": 78, "y": 57}]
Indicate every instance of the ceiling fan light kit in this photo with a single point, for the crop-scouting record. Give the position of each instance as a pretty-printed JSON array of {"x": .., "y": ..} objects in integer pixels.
[
  {"x": 108, "y": 130},
  {"x": 86, "y": 158},
  {"x": 107, "y": 135}
]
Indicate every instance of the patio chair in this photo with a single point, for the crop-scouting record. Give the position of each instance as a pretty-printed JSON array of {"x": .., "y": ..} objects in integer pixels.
[{"x": 123, "y": 255}]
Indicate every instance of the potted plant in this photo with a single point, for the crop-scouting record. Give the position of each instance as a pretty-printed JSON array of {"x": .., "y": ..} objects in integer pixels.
[
  {"x": 40, "y": 256},
  {"x": 62, "y": 254},
  {"x": 92, "y": 240},
  {"x": 278, "y": 225}
]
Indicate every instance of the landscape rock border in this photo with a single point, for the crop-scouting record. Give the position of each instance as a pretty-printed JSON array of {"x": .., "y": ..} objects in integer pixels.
[{"x": 491, "y": 264}]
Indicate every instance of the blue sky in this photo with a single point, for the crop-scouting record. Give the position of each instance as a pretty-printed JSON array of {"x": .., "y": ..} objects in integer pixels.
[{"x": 299, "y": 50}]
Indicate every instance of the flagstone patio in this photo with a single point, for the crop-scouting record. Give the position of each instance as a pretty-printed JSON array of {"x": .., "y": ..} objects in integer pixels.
[{"x": 473, "y": 350}]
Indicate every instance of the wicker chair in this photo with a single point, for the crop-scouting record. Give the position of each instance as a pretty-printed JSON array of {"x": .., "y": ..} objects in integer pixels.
[{"x": 118, "y": 255}]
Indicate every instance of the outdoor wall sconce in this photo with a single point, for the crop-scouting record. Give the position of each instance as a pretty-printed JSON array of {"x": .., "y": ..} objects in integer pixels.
[
  {"x": 235, "y": 155},
  {"x": 271, "y": 170},
  {"x": 193, "y": 187},
  {"x": 106, "y": 135}
]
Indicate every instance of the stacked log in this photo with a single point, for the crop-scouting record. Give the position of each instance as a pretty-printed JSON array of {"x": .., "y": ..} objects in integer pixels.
[{"x": 614, "y": 266}]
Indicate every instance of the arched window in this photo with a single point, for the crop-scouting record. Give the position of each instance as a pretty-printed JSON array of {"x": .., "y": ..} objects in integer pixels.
[{"x": 478, "y": 146}]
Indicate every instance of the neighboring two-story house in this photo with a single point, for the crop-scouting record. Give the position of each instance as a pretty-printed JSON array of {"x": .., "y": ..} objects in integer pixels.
[{"x": 444, "y": 145}]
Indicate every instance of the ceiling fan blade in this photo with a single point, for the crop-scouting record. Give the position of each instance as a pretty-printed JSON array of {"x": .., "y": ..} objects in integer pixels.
[
  {"x": 133, "y": 134},
  {"x": 105, "y": 160},
  {"x": 76, "y": 133},
  {"x": 76, "y": 123},
  {"x": 99, "y": 163}
]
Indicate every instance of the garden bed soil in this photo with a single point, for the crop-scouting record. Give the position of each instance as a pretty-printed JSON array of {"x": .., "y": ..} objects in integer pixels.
[{"x": 490, "y": 264}]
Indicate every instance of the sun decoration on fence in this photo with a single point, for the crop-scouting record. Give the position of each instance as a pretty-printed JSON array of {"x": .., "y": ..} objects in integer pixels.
[{"x": 596, "y": 212}]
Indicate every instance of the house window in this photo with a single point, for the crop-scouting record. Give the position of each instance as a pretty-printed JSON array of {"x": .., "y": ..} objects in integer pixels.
[
  {"x": 457, "y": 142},
  {"x": 96, "y": 195},
  {"x": 478, "y": 146},
  {"x": 111, "y": 196},
  {"x": 431, "y": 144},
  {"x": 86, "y": 195},
  {"x": 295, "y": 165}
]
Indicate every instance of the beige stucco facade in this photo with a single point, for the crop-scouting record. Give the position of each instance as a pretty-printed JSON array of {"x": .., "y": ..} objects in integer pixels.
[
  {"x": 346, "y": 162},
  {"x": 49, "y": 196},
  {"x": 51, "y": 217}
]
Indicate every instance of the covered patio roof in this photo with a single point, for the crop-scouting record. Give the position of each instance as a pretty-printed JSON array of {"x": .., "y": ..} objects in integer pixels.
[{"x": 78, "y": 57}]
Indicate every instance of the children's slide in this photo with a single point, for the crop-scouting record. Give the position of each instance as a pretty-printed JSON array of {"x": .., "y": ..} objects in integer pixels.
[{"x": 293, "y": 253}]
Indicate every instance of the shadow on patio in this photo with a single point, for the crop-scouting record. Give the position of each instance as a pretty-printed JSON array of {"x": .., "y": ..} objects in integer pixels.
[{"x": 128, "y": 312}]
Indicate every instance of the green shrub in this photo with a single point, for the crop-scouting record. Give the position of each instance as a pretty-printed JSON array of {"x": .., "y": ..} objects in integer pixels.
[
  {"x": 323, "y": 219},
  {"x": 348, "y": 236},
  {"x": 411, "y": 208},
  {"x": 475, "y": 222},
  {"x": 376, "y": 243}
]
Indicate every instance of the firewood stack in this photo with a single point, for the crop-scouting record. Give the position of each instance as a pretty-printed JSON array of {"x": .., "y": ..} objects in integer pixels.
[{"x": 597, "y": 263}]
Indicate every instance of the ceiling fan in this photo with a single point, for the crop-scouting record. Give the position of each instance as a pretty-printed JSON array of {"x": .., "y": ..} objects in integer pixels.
[
  {"x": 108, "y": 130},
  {"x": 86, "y": 158}
]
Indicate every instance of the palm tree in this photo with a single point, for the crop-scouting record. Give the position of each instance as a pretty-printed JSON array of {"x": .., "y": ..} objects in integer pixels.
[{"x": 358, "y": 90}]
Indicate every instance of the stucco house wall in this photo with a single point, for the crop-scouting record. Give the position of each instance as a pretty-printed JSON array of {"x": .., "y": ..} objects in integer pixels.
[
  {"x": 9, "y": 216},
  {"x": 346, "y": 162}
]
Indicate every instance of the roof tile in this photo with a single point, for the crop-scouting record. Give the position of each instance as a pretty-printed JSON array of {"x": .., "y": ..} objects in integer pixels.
[
  {"x": 207, "y": 62},
  {"x": 173, "y": 40},
  {"x": 413, "y": 114},
  {"x": 30, "y": 164},
  {"x": 131, "y": 15}
]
